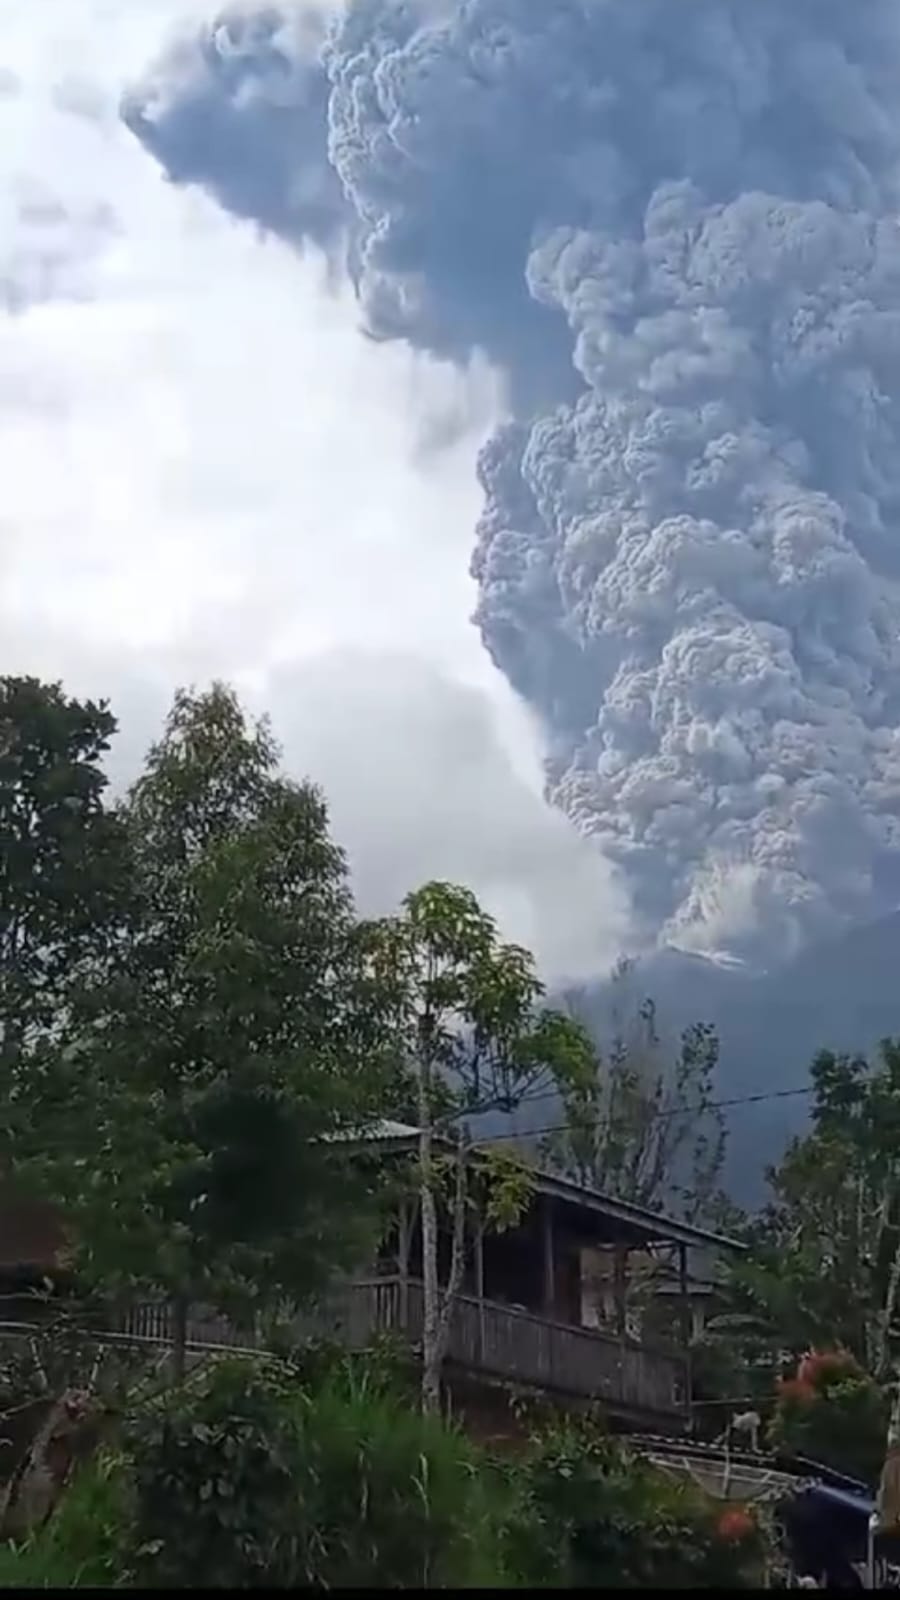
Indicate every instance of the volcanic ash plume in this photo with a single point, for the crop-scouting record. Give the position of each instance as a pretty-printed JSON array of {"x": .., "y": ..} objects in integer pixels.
[{"x": 672, "y": 224}]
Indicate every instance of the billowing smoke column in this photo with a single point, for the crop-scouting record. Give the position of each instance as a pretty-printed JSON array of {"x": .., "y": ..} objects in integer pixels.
[{"x": 673, "y": 225}]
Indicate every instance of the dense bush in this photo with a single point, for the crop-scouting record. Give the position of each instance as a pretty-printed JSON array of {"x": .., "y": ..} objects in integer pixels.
[
  {"x": 320, "y": 1472},
  {"x": 599, "y": 1517},
  {"x": 834, "y": 1412},
  {"x": 248, "y": 1477},
  {"x": 84, "y": 1543}
]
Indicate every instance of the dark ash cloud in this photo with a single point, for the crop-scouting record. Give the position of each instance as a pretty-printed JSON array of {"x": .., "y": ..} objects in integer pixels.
[
  {"x": 674, "y": 228},
  {"x": 242, "y": 111}
]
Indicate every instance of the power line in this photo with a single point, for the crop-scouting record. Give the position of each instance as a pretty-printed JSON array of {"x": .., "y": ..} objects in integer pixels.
[
  {"x": 568, "y": 1127},
  {"x": 661, "y": 1116}
]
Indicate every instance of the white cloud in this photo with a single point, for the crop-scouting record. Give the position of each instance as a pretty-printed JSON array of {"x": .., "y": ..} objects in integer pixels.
[
  {"x": 206, "y": 470},
  {"x": 424, "y": 784}
]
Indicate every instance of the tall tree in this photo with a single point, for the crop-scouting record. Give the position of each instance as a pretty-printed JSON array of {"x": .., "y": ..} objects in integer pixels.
[
  {"x": 209, "y": 1074},
  {"x": 472, "y": 1037},
  {"x": 645, "y": 1125},
  {"x": 63, "y": 874},
  {"x": 824, "y": 1267}
]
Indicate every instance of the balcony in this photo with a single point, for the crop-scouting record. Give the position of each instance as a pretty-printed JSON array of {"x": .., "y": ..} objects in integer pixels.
[{"x": 487, "y": 1340}]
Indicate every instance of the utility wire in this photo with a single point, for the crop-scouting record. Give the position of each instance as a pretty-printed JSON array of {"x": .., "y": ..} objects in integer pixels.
[
  {"x": 568, "y": 1127},
  {"x": 661, "y": 1116}
]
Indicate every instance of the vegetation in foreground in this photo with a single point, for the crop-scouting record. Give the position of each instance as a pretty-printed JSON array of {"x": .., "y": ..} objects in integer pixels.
[{"x": 274, "y": 1473}]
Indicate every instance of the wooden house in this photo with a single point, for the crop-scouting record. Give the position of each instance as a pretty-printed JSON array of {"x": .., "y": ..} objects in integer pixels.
[{"x": 554, "y": 1308}]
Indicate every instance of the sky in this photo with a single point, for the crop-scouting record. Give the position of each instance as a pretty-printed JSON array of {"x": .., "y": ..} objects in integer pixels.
[{"x": 189, "y": 494}]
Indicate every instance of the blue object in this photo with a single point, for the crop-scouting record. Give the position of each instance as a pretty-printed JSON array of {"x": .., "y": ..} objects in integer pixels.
[{"x": 861, "y": 1504}]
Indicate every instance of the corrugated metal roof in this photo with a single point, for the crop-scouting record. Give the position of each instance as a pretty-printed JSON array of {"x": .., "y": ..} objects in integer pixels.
[
  {"x": 654, "y": 1226},
  {"x": 386, "y": 1129},
  {"x": 377, "y": 1133}
]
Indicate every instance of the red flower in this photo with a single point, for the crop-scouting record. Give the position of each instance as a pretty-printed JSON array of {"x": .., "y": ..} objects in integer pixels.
[
  {"x": 735, "y": 1524},
  {"x": 823, "y": 1364},
  {"x": 796, "y": 1389}
]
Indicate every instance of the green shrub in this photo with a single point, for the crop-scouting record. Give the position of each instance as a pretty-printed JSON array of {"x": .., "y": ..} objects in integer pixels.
[
  {"x": 595, "y": 1516},
  {"x": 322, "y": 1473},
  {"x": 834, "y": 1412},
  {"x": 248, "y": 1477},
  {"x": 83, "y": 1543}
]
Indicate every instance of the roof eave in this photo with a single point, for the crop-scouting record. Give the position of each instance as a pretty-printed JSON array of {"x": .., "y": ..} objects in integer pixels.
[{"x": 656, "y": 1227}]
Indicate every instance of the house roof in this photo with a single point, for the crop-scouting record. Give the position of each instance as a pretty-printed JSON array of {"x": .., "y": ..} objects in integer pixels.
[
  {"x": 653, "y": 1227},
  {"x": 380, "y": 1132},
  {"x": 649, "y": 1227}
]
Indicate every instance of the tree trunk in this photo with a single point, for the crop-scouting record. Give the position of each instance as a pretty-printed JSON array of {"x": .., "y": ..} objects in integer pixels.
[
  {"x": 438, "y": 1307},
  {"x": 457, "y": 1257},
  {"x": 34, "y": 1488},
  {"x": 882, "y": 1360},
  {"x": 431, "y": 1358},
  {"x": 406, "y": 1221},
  {"x": 888, "y": 1503}
]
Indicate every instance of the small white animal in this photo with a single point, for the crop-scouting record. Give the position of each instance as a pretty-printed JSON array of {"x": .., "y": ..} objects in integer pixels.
[{"x": 748, "y": 1422}]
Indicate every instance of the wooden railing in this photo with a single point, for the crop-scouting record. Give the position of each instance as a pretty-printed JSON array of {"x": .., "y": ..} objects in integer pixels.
[{"x": 485, "y": 1337}]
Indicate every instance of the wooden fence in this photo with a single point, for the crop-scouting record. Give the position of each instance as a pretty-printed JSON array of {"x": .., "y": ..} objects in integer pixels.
[{"x": 485, "y": 1337}]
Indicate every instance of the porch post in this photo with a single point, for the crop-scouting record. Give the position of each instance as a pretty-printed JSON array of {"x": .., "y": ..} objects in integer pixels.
[
  {"x": 620, "y": 1288},
  {"x": 549, "y": 1295},
  {"x": 479, "y": 1280},
  {"x": 405, "y": 1224},
  {"x": 684, "y": 1301}
]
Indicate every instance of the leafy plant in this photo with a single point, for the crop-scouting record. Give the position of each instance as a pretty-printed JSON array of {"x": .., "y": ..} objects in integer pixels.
[
  {"x": 602, "y": 1518},
  {"x": 62, "y": 867},
  {"x": 824, "y": 1262},
  {"x": 84, "y": 1542},
  {"x": 832, "y": 1411},
  {"x": 247, "y": 1477},
  {"x": 208, "y": 1069}
]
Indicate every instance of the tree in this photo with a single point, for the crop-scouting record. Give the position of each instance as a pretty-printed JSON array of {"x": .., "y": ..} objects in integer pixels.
[
  {"x": 645, "y": 1126},
  {"x": 824, "y": 1265},
  {"x": 209, "y": 1073},
  {"x": 63, "y": 874},
  {"x": 470, "y": 1036}
]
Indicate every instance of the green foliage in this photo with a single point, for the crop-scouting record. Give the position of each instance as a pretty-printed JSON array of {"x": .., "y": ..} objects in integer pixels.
[
  {"x": 63, "y": 1353},
  {"x": 464, "y": 1007},
  {"x": 833, "y": 1412},
  {"x": 469, "y": 1036},
  {"x": 249, "y": 1477},
  {"x": 208, "y": 1072},
  {"x": 734, "y": 1364},
  {"x": 61, "y": 869},
  {"x": 319, "y": 1473},
  {"x": 824, "y": 1265},
  {"x": 63, "y": 888},
  {"x": 504, "y": 1187},
  {"x": 599, "y": 1517},
  {"x": 84, "y": 1543},
  {"x": 644, "y": 1124}
]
